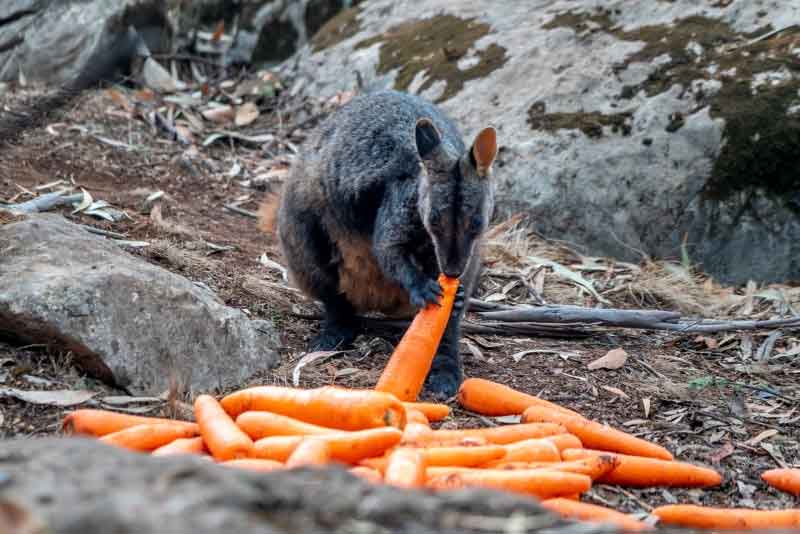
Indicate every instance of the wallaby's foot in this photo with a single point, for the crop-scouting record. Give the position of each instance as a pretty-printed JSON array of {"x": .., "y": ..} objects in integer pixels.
[
  {"x": 424, "y": 292},
  {"x": 459, "y": 302},
  {"x": 333, "y": 337},
  {"x": 445, "y": 377}
]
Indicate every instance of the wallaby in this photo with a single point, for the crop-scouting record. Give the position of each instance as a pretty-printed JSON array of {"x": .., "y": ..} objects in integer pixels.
[{"x": 383, "y": 197}]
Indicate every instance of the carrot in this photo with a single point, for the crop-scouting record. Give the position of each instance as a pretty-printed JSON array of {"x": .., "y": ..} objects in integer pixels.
[
  {"x": 406, "y": 468},
  {"x": 310, "y": 451},
  {"x": 447, "y": 456},
  {"x": 501, "y": 435},
  {"x": 224, "y": 439},
  {"x": 182, "y": 446},
  {"x": 146, "y": 438},
  {"x": 405, "y": 373},
  {"x": 565, "y": 441},
  {"x": 102, "y": 422},
  {"x": 433, "y": 411},
  {"x": 416, "y": 416},
  {"x": 688, "y": 515},
  {"x": 366, "y": 473},
  {"x": 787, "y": 480},
  {"x": 582, "y": 511},
  {"x": 594, "y": 467},
  {"x": 642, "y": 472},
  {"x": 490, "y": 398},
  {"x": 348, "y": 447},
  {"x": 254, "y": 464},
  {"x": 528, "y": 450},
  {"x": 597, "y": 436},
  {"x": 259, "y": 425},
  {"x": 539, "y": 483},
  {"x": 328, "y": 406}
]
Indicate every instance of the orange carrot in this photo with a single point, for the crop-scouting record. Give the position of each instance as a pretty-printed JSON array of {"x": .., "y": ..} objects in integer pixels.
[
  {"x": 490, "y": 398},
  {"x": 641, "y": 472},
  {"x": 582, "y": 511},
  {"x": 328, "y": 406},
  {"x": 528, "y": 450},
  {"x": 688, "y": 515},
  {"x": 259, "y": 425},
  {"x": 416, "y": 416},
  {"x": 224, "y": 439},
  {"x": 501, "y": 435},
  {"x": 310, "y": 451},
  {"x": 102, "y": 422},
  {"x": 447, "y": 456},
  {"x": 565, "y": 441},
  {"x": 539, "y": 483},
  {"x": 787, "y": 480},
  {"x": 406, "y": 468},
  {"x": 146, "y": 438},
  {"x": 433, "y": 411},
  {"x": 405, "y": 373},
  {"x": 366, "y": 473},
  {"x": 594, "y": 467},
  {"x": 348, "y": 447},
  {"x": 254, "y": 464},
  {"x": 182, "y": 446},
  {"x": 597, "y": 436}
]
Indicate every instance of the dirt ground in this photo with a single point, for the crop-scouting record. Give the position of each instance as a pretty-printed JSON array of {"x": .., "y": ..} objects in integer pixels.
[{"x": 709, "y": 399}]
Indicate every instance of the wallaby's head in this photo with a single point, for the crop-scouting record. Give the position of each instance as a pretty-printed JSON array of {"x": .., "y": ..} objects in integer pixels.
[{"x": 455, "y": 193}]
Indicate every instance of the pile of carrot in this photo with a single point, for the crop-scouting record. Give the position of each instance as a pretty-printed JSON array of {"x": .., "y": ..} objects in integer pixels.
[{"x": 385, "y": 436}]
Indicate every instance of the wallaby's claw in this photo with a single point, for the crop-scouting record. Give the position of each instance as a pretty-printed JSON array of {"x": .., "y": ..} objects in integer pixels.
[
  {"x": 460, "y": 300},
  {"x": 427, "y": 292}
]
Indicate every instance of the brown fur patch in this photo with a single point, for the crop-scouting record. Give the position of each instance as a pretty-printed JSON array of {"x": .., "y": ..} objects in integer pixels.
[
  {"x": 268, "y": 214},
  {"x": 363, "y": 282}
]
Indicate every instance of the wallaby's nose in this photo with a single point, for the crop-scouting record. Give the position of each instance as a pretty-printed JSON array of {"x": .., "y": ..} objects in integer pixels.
[{"x": 452, "y": 273}]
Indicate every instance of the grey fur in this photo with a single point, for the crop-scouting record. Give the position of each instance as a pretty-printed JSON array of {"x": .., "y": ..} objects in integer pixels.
[{"x": 384, "y": 196}]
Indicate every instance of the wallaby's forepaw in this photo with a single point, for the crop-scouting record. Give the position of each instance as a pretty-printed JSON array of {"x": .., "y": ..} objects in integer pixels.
[
  {"x": 426, "y": 292},
  {"x": 444, "y": 380},
  {"x": 459, "y": 301},
  {"x": 332, "y": 338}
]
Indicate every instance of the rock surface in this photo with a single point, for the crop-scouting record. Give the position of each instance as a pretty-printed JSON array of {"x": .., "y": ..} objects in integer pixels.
[
  {"x": 625, "y": 127},
  {"x": 127, "y": 321},
  {"x": 75, "y": 485},
  {"x": 56, "y": 42}
]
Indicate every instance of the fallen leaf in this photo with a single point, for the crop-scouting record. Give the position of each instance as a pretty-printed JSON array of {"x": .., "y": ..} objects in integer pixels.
[
  {"x": 157, "y": 77},
  {"x": 723, "y": 452},
  {"x": 122, "y": 400},
  {"x": 347, "y": 371},
  {"x": 495, "y": 297},
  {"x": 311, "y": 357},
  {"x": 255, "y": 139},
  {"x": 646, "y": 407},
  {"x": 63, "y": 397},
  {"x": 475, "y": 351},
  {"x": 509, "y": 419},
  {"x": 266, "y": 262},
  {"x": 761, "y": 437},
  {"x": 246, "y": 114},
  {"x": 635, "y": 422},
  {"x": 570, "y": 275},
  {"x": 219, "y": 114},
  {"x": 120, "y": 99},
  {"x": 218, "y": 31},
  {"x": 521, "y": 354},
  {"x": 85, "y": 202},
  {"x": 616, "y": 391},
  {"x": 614, "y": 359}
]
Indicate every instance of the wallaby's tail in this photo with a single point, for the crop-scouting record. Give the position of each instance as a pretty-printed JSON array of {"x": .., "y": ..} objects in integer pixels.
[{"x": 268, "y": 214}]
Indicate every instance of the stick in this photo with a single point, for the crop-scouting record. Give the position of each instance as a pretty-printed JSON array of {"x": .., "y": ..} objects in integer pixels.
[
  {"x": 577, "y": 314},
  {"x": 44, "y": 202},
  {"x": 241, "y": 211}
]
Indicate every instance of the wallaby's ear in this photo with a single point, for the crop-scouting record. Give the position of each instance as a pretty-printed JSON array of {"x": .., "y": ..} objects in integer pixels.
[
  {"x": 484, "y": 150},
  {"x": 428, "y": 137}
]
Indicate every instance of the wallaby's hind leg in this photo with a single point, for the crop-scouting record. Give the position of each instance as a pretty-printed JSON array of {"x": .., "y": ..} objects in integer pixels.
[{"x": 310, "y": 253}]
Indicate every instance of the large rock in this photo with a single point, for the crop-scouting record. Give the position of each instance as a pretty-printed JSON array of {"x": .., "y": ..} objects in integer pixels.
[
  {"x": 127, "y": 321},
  {"x": 57, "y": 42},
  {"x": 625, "y": 127},
  {"x": 75, "y": 486}
]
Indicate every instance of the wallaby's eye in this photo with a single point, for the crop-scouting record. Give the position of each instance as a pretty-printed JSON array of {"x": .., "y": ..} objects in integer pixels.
[{"x": 476, "y": 223}]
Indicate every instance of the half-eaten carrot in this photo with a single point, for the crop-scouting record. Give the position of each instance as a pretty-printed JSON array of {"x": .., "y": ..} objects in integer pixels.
[{"x": 408, "y": 366}]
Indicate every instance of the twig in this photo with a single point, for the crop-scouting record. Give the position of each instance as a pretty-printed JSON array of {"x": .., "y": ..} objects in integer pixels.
[
  {"x": 44, "y": 202},
  {"x": 106, "y": 233},
  {"x": 241, "y": 211}
]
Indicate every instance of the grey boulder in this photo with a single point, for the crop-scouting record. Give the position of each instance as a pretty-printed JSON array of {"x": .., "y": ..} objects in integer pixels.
[{"x": 126, "y": 321}]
